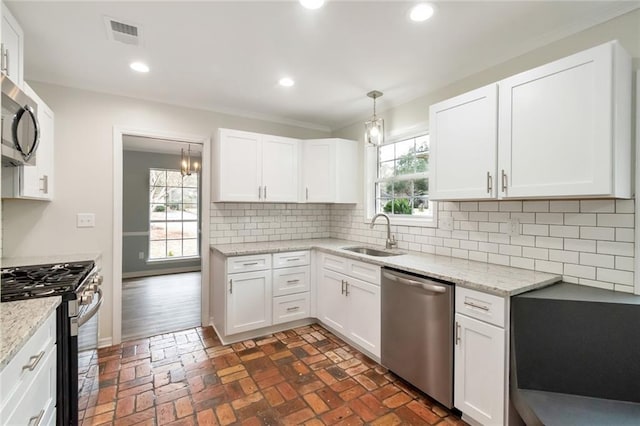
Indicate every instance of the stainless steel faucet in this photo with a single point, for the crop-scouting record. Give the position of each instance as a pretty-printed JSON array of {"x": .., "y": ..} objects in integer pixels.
[{"x": 391, "y": 239}]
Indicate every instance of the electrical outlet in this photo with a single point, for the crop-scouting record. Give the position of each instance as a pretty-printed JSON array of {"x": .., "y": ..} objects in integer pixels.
[
  {"x": 446, "y": 223},
  {"x": 85, "y": 220},
  {"x": 513, "y": 229},
  {"x": 141, "y": 255}
]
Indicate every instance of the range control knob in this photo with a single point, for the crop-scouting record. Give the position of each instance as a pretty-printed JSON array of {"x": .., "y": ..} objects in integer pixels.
[
  {"x": 93, "y": 287},
  {"x": 86, "y": 298},
  {"x": 97, "y": 279}
]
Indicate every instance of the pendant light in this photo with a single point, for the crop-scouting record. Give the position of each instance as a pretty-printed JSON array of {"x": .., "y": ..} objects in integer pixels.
[
  {"x": 374, "y": 128},
  {"x": 186, "y": 166}
]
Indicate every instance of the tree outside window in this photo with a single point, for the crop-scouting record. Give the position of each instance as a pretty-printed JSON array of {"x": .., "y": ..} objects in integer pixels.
[
  {"x": 173, "y": 214},
  {"x": 402, "y": 184}
]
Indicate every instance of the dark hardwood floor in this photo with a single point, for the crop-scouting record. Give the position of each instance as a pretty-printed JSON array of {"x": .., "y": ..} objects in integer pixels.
[{"x": 160, "y": 304}]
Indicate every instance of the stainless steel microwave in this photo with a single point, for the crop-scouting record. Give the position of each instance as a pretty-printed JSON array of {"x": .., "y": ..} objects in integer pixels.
[{"x": 20, "y": 128}]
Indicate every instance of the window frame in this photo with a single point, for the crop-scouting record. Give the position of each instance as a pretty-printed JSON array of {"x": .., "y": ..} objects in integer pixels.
[
  {"x": 371, "y": 178},
  {"x": 166, "y": 221}
]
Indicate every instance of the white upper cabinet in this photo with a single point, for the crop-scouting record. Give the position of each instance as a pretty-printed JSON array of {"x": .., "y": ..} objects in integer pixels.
[
  {"x": 565, "y": 127},
  {"x": 563, "y": 131},
  {"x": 252, "y": 167},
  {"x": 329, "y": 171},
  {"x": 12, "y": 54},
  {"x": 279, "y": 169},
  {"x": 464, "y": 136}
]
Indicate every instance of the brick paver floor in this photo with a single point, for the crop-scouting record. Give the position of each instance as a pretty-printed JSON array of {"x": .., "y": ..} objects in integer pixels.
[{"x": 301, "y": 376}]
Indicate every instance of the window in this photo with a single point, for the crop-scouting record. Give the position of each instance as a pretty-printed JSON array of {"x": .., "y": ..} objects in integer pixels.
[
  {"x": 401, "y": 181},
  {"x": 173, "y": 215}
]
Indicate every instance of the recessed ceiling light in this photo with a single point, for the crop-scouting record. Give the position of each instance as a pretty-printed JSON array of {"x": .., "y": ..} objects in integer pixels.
[
  {"x": 286, "y": 82},
  {"x": 139, "y": 66},
  {"x": 312, "y": 4},
  {"x": 421, "y": 12}
]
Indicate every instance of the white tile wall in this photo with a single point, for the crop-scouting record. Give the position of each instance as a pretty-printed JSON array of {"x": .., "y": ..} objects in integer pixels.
[
  {"x": 589, "y": 242},
  {"x": 251, "y": 222}
]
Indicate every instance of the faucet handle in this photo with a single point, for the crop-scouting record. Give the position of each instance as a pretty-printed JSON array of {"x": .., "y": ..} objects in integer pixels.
[{"x": 392, "y": 242}]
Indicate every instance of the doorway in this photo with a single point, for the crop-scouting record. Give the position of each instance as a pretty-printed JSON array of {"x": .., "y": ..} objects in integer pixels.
[{"x": 160, "y": 234}]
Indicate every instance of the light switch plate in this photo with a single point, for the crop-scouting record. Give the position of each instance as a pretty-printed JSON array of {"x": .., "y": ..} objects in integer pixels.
[{"x": 85, "y": 220}]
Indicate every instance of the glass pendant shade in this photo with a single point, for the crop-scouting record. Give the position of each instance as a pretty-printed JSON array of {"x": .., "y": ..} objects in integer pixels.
[
  {"x": 186, "y": 165},
  {"x": 374, "y": 128},
  {"x": 374, "y": 131}
]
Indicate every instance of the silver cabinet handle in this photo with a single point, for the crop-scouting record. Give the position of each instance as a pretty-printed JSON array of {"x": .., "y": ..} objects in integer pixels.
[
  {"x": 265, "y": 192},
  {"x": 260, "y": 193},
  {"x": 424, "y": 286},
  {"x": 307, "y": 190},
  {"x": 35, "y": 360},
  {"x": 473, "y": 305},
  {"x": 6, "y": 61},
  {"x": 504, "y": 181},
  {"x": 346, "y": 288},
  {"x": 458, "y": 329},
  {"x": 291, "y": 259},
  {"x": 250, "y": 264},
  {"x": 489, "y": 183},
  {"x": 293, "y": 308},
  {"x": 292, "y": 281},
  {"x": 45, "y": 184},
  {"x": 35, "y": 420},
  {"x": 2, "y": 67},
  {"x": 342, "y": 287},
  {"x": 231, "y": 286}
]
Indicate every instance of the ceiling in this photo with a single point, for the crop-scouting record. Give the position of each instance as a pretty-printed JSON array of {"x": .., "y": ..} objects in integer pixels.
[{"x": 227, "y": 56}]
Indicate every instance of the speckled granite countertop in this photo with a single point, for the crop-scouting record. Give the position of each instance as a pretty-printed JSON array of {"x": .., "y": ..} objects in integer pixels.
[
  {"x": 19, "y": 321},
  {"x": 487, "y": 277},
  {"x": 7, "y": 262}
]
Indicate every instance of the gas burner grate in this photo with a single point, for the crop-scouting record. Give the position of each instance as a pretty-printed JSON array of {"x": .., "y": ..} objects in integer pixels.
[{"x": 57, "y": 279}]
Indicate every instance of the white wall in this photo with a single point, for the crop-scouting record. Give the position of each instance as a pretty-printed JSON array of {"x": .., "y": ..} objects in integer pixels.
[
  {"x": 84, "y": 172},
  {"x": 590, "y": 243}
]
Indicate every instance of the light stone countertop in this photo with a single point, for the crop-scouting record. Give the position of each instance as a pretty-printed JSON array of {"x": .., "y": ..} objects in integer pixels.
[
  {"x": 495, "y": 279},
  {"x": 19, "y": 321},
  {"x": 8, "y": 262}
]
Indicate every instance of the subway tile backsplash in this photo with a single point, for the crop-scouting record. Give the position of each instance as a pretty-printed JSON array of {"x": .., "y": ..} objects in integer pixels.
[{"x": 589, "y": 242}]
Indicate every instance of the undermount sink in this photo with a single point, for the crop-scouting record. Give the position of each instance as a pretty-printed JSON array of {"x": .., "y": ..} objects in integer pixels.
[{"x": 371, "y": 251}]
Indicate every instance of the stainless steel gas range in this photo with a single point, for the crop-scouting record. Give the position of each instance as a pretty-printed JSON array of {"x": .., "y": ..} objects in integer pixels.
[{"x": 78, "y": 284}]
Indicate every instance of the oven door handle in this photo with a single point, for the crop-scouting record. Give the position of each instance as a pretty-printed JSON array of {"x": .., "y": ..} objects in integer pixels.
[{"x": 86, "y": 317}]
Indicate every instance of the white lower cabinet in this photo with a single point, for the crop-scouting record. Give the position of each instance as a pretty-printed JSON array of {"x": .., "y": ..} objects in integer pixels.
[
  {"x": 349, "y": 305},
  {"x": 290, "y": 308},
  {"x": 248, "y": 301},
  {"x": 28, "y": 382},
  {"x": 480, "y": 360}
]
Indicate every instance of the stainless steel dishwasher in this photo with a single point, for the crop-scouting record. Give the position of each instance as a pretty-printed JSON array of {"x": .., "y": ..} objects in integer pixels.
[{"x": 417, "y": 332}]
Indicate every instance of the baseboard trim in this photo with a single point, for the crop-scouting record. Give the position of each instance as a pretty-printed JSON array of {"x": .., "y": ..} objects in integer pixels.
[
  {"x": 105, "y": 342},
  {"x": 164, "y": 271}
]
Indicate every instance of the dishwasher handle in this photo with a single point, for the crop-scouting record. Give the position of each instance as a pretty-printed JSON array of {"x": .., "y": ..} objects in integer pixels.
[{"x": 423, "y": 285}]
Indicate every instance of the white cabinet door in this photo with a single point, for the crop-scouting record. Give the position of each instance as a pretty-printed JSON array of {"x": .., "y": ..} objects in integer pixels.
[
  {"x": 463, "y": 143},
  {"x": 364, "y": 314},
  {"x": 12, "y": 47},
  {"x": 37, "y": 182},
  {"x": 239, "y": 166},
  {"x": 332, "y": 303},
  {"x": 249, "y": 301},
  {"x": 479, "y": 368},
  {"x": 563, "y": 124},
  {"x": 319, "y": 171},
  {"x": 279, "y": 169}
]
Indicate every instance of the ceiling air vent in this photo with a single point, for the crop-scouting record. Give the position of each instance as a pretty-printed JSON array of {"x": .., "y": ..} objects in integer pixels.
[{"x": 124, "y": 32}]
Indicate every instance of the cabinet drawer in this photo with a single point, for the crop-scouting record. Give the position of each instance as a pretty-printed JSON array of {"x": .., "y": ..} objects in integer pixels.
[
  {"x": 290, "y": 308},
  {"x": 292, "y": 258},
  {"x": 482, "y": 306},
  {"x": 35, "y": 399},
  {"x": 257, "y": 262},
  {"x": 335, "y": 263},
  {"x": 291, "y": 280},
  {"x": 364, "y": 271},
  {"x": 13, "y": 376}
]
